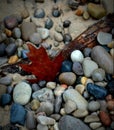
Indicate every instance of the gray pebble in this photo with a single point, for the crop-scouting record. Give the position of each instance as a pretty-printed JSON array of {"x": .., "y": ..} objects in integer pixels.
[
  {"x": 6, "y": 80},
  {"x": 39, "y": 13},
  {"x": 93, "y": 106},
  {"x": 35, "y": 38},
  {"x": 17, "y": 32}
]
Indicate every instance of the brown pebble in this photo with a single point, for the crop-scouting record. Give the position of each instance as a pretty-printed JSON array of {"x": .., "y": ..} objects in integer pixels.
[
  {"x": 79, "y": 12},
  {"x": 105, "y": 118},
  {"x": 110, "y": 105}
]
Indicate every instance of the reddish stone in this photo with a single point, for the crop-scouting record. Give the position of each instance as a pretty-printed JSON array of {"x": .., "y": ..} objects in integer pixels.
[{"x": 110, "y": 105}]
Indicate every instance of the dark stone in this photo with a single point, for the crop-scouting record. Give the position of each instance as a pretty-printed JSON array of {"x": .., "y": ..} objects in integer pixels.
[
  {"x": 77, "y": 68},
  {"x": 56, "y": 12},
  {"x": 73, "y": 4},
  {"x": 67, "y": 38},
  {"x": 66, "y": 66},
  {"x": 17, "y": 114},
  {"x": 68, "y": 122},
  {"x": 9, "y": 89},
  {"x": 5, "y": 99},
  {"x": 58, "y": 103},
  {"x": 39, "y": 13},
  {"x": 11, "y": 49},
  {"x": 66, "y": 23},
  {"x": 35, "y": 87},
  {"x": 49, "y": 23},
  {"x": 111, "y": 87},
  {"x": 87, "y": 52},
  {"x": 42, "y": 83},
  {"x": 10, "y": 127},
  {"x": 0, "y": 127},
  {"x": 2, "y": 49},
  {"x": 97, "y": 91}
]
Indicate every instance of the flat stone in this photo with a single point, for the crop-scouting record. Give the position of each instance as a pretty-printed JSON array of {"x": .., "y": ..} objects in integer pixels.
[
  {"x": 95, "y": 125},
  {"x": 42, "y": 127},
  {"x": 91, "y": 118}
]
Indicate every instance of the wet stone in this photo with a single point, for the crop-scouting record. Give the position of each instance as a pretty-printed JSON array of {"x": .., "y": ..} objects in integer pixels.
[
  {"x": 97, "y": 91},
  {"x": 66, "y": 23}
]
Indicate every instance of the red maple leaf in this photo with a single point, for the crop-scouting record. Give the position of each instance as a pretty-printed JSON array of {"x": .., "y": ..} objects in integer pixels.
[{"x": 41, "y": 65}]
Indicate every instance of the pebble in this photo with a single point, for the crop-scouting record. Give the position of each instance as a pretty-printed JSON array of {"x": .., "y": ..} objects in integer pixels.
[
  {"x": 44, "y": 120},
  {"x": 30, "y": 120},
  {"x": 80, "y": 88},
  {"x": 11, "y": 49},
  {"x": 6, "y": 80},
  {"x": 58, "y": 37},
  {"x": 2, "y": 36},
  {"x": 87, "y": 52},
  {"x": 56, "y": 12},
  {"x": 103, "y": 59},
  {"x": 80, "y": 113},
  {"x": 91, "y": 118},
  {"x": 69, "y": 106},
  {"x": 67, "y": 78},
  {"x": 8, "y": 32},
  {"x": 3, "y": 89},
  {"x": 22, "y": 93},
  {"x": 42, "y": 127},
  {"x": 77, "y": 68},
  {"x": 110, "y": 105},
  {"x": 95, "y": 125},
  {"x": 51, "y": 85},
  {"x": 73, "y": 4},
  {"x": 56, "y": 116},
  {"x": 86, "y": 15},
  {"x": 105, "y": 118},
  {"x": 10, "y": 21},
  {"x": 5, "y": 99},
  {"x": 67, "y": 38},
  {"x": 13, "y": 59},
  {"x": 2, "y": 49},
  {"x": 75, "y": 96},
  {"x": 68, "y": 122},
  {"x": 17, "y": 32},
  {"x": 49, "y": 23},
  {"x": 79, "y": 12},
  {"x": 111, "y": 87},
  {"x": 88, "y": 67},
  {"x": 97, "y": 91},
  {"x": 57, "y": 104},
  {"x": 27, "y": 29},
  {"x": 66, "y": 23},
  {"x": 96, "y": 11},
  {"x": 44, "y": 33},
  {"x": 77, "y": 56},
  {"x": 39, "y": 13},
  {"x": 59, "y": 28},
  {"x": 17, "y": 114},
  {"x": 104, "y": 38},
  {"x": 66, "y": 66},
  {"x": 25, "y": 13},
  {"x": 93, "y": 106},
  {"x": 44, "y": 94},
  {"x": 35, "y": 104},
  {"x": 112, "y": 52},
  {"x": 46, "y": 107},
  {"x": 35, "y": 38}
]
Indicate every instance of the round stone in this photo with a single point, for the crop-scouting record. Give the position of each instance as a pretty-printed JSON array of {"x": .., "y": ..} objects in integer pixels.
[
  {"x": 39, "y": 13},
  {"x": 87, "y": 52},
  {"x": 17, "y": 32},
  {"x": 67, "y": 38},
  {"x": 66, "y": 23},
  {"x": 48, "y": 23},
  {"x": 56, "y": 12},
  {"x": 22, "y": 93},
  {"x": 58, "y": 37},
  {"x": 66, "y": 66},
  {"x": 93, "y": 106},
  {"x": 44, "y": 33},
  {"x": 77, "y": 56}
]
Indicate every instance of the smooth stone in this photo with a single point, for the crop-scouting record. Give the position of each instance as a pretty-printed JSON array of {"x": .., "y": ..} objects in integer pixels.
[
  {"x": 3, "y": 60},
  {"x": 46, "y": 107},
  {"x": 66, "y": 23},
  {"x": 77, "y": 68},
  {"x": 10, "y": 21},
  {"x": 44, "y": 94},
  {"x": 66, "y": 66},
  {"x": 67, "y": 38},
  {"x": 56, "y": 12},
  {"x": 80, "y": 88},
  {"x": 24, "y": 53},
  {"x": 11, "y": 49},
  {"x": 42, "y": 127},
  {"x": 30, "y": 120},
  {"x": 44, "y": 120},
  {"x": 17, "y": 32},
  {"x": 97, "y": 91},
  {"x": 3, "y": 89},
  {"x": 57, "y": 104},
  {"x": 39, "y": 13},
  {"x": 5, "y": 99},
  {"x": 76, "y": 97},
  {"x": 112, "y": 52},
  {"x": 13, "y": 59},
  {"x": 49, "y": 23},
  {"x": 88, "y": 67},
  {"x": 73, "y": 4},
  {"x": 95, "y": 125},
  {"x": 44, "y": 33},
  {"x": 6, "y": 80},
  {"x": 96, "y": 11},
  {"x": 35, "y": 38},
  {"x": 22, "y": 93},
  {"x": 77, "y": 56},
  {"x": 19, "y": 42},
  {"x": 80, "y": 113},
  {"x": 58, "y": 37},
  {"x": 17, "y": 114},
  {"x": 27, "y": 29},
  {"x": 56, "y": 116},
  {"x": 2, "y": 49},
  {"x": 68, "y": 122},
  {"x": 93, "y": 106},
  {"x": 103, "y": 59},
  {"x": 59, "y": 28},
  {"x": 91, "y": 118},
  {"x": 98, "y": 75},
  {"x": 87, "y": 52},
  {"x": 104, "y": 38},
  {"x": 42, "y": 83},
  {"x": 51, "y": 85},
  {"x": 111, "y": 87},
  {"x": 69, "y": 106},
  {"x": 25, "y": 13},
  {"x": 86, "y": 15},
  {"x": 67, "y": 78},
  {"x": 2, "y": 37},
  {"x": 35, "y": 104}
]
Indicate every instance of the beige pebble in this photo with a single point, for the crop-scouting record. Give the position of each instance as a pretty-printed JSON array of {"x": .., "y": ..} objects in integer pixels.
[
  {"x": 51, "y": 85},
  {"x": 84, "y": 80},
  {"x": 111, "y": 44},
  {"x": 35, "y": 104},
  {"x": 95, "y": 125},
  {"x": 89, "y": 81},
  {"x": 80, "y": 88},
  {"x": 13, "y": 59},
  {"x": 80, "y": 113},
  {"x": 112, "y": 52},
  {"x": 62, "y": 111}
]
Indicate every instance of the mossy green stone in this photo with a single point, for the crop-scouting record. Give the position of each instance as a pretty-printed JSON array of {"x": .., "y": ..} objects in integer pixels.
[{"x": 96, "y": 11}]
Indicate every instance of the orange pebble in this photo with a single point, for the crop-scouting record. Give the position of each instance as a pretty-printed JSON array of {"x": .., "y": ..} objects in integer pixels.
[
  {"x": 64, "y": 86},
  {"x": 79, "y": 12},
  {"x": 8, "y": 32}
]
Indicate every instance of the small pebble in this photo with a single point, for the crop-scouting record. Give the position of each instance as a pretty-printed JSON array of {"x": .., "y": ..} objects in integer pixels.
[
  {"x": 80, "y": 88},
  {"x": 91, "y": 118},
  {"x": 35, "y": 104},
  {"x": 51, "y": 85},
  {"x": 57, "y": 104},
  {"x": 56, "y": 12},
  {"x": 95, "y": 125},
  {"x": 86, "y": 15},
  {"x": 6, "y": 80},
  {"x": 13, "y": 59},
  {"x": 39, "y": 13},
  {"x": 66, "y": 66},
  {"x": 44, "y": 33},
  {"x": 93, "y": 106},
  {"x": 5, "y": 99},
  {"x": 58, "y": 37},
  {"x": 67, "y": 38},
  {"x": 66, "y": 23},
  {"x": 49, "y": 23},
  {"x": 80, "y": 113},
  {"x": 2, "y": 49},
  {"x": 16, "y": 32}
]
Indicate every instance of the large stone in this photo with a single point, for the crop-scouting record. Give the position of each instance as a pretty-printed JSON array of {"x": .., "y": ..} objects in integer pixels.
[
  {"x": 27, "y": 28},
  {"x": 22, "y": 93},
  {"x": 96, "y": 11},
  {"x": 103, "y": 59},
  {"x": 71, "y": 123},
  {"x": 76, "y": 97}
]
